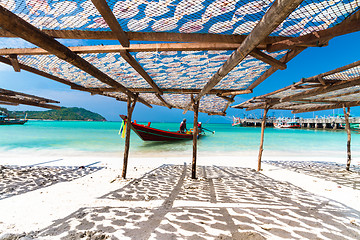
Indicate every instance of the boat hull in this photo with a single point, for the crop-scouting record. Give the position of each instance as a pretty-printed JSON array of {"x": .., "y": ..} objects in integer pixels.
[
  {"x": 13, "y": 122},
  {"x": 152, "y": 134}
]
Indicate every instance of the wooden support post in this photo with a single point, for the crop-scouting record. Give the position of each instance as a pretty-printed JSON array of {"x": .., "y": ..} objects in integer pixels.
[
  {"x": 195, "y": 133},
  {"x": 263, "y": 125},
  {"x": 130, "y": 108},
  {"x": 14, "y": 62},
  {"x": 348, "y": 131}
]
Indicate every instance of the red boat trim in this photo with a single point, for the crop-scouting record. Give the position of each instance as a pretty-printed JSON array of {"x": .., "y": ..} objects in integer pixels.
[{"x": 161, "y": 135}]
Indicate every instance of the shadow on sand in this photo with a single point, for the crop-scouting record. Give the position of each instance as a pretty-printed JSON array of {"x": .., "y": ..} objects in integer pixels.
[
  {"x": 223, "y": 203},
  {"x": 329, "y": 171},
  {"x": 15, "y": 180}
]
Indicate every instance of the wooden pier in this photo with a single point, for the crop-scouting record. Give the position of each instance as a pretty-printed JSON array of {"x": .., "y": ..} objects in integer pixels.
[{"x": 316, "y": 123}]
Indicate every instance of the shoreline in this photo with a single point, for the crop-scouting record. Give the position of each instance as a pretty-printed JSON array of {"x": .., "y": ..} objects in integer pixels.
[{"x": 20, "y": 156}]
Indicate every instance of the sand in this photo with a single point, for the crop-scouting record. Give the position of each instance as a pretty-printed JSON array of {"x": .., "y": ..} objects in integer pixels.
[{"x": 54, "y": 198}]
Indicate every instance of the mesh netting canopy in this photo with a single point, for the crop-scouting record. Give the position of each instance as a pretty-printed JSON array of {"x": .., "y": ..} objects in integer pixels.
[
  {"x": 181, "y": 45},
  {"x": 334, "y": 89}
]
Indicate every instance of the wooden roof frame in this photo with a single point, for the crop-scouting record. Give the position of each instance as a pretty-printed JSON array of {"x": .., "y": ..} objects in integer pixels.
[
  {"x": 243, "y": 45},
  {"x": 313, "y": 87},
  {"x": 9, "y": 97}
]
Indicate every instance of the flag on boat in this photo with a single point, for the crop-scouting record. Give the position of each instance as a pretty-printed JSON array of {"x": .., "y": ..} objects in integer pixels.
[{"x": 122, "y": 129}]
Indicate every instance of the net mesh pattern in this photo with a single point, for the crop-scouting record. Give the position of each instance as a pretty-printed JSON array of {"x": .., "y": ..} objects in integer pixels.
[
  {"x": 117, "y": 68},
  {"x": 332, "y": 95},
  {"x": 193, "y": 69},
  {"x": 181, "y": 16},
  {"x": 59, "y": 68},
  {"x": 118, "y": 95},
  {"x": 286, "y": 93},
  {"x": 209, "y": 103},
  {"x": 246, "y": 72},
  {"x": 345, "y": 75}
]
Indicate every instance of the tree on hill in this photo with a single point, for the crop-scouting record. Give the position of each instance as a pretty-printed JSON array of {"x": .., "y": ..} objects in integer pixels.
[{"x": 73, "y": 113}]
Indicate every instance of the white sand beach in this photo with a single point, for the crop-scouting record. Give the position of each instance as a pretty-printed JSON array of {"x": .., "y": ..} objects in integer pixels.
[{"x": 159, "y": 200}]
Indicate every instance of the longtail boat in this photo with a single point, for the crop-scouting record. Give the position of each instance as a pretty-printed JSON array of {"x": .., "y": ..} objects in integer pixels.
[
  {"x": 147, "y": 133},
  {"x": 5, "y": 120}
]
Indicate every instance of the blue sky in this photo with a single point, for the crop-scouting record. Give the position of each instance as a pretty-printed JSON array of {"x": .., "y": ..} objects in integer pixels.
[{"x": 341, "y": 51}]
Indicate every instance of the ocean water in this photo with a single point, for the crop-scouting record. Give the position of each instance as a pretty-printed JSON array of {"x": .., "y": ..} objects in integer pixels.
[{"x": 91, "y": 137}]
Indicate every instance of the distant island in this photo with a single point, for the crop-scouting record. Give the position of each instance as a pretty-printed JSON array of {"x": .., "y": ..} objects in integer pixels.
[{"x": 64, "y": 113}]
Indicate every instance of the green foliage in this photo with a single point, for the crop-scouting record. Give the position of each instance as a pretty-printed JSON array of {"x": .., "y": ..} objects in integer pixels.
[
  {"x": 73, "y": 113},
  {"x": 3, "y": 110}
]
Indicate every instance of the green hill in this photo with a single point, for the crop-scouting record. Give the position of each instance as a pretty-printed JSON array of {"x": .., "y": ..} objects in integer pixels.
[{"x": 73, "y": 113}]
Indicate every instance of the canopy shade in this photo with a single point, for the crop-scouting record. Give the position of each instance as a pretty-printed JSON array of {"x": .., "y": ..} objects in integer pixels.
[
  {"x": 334, "y": 89},
  {"x": 167, "y": 74}
]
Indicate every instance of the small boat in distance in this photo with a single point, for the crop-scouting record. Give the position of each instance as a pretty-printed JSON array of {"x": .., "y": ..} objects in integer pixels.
[
  {"x": 286, "y": 123},
  {"x": 146, "y": 133},
  {"x": 5, "y": 120}
]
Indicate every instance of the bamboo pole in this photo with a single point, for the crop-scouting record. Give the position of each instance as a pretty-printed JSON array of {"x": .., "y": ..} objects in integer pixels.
[
  {"x": 130, "y": 108},
  {"x": 348, "y": 131},
  {"x": 195, "y": 133},
  {"x": 263, "y": 125}
]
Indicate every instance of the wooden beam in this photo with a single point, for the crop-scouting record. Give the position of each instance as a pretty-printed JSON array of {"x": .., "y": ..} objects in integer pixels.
[
  {"x": 339, "y": 95},
  {"x": 153, "y": 36},
  {"x": 13, "y": 93},
  {"x": 14, "y": 62},
  {"x": 130, "y": 108},
  {"x": 327, "y": 107},
  {"x": 138, "y": 68},
  {"x": 8, "y": 103},
  {"x": 256, "y": 53},
  {"x": 168, "y": 90},
  {"x": 321, "y": 90},
  {"x": 44, "y": 74},
  {"x": 161, "y": 47},
  {"x": 195, "y": 134},
  {"x": 289, "y": 55},
  {"x": 272, "y": 18},
  {"x": 320, "y": 38},
  {"x": 295, "y": 87},
  {"x": 229, "y": 99},
  {"x": 111, "y": 21},
  {"x": 27, "y": 102},
  {"x": 348, "y": 131},
  {"x": 319, "y": 101},
  {"x": 214, "y": 113},
  {"x": 163, "y": 101},
  {"x": 14, "y": 24},
  {"x": 64, "y": 81},
  {"x": 263, "y": 125},
  {"x": 239, "y": 92},
  {"x": 337, "y": 70}
]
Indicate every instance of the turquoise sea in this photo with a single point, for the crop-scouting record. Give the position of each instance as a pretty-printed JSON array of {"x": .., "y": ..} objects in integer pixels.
[{"x": 103, "y": 137}]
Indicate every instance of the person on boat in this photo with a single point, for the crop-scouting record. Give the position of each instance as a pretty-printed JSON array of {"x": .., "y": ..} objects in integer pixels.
[
  {"x": 199, "y": 127},
  {"x": 183, "y": 126}
]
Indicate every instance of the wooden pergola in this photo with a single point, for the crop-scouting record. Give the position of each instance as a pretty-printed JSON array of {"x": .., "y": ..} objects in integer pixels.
[
  {"x": 193, "y": 55},
  {"x": 339, "y": 88},
  {"x": 8, "y": 97}
]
